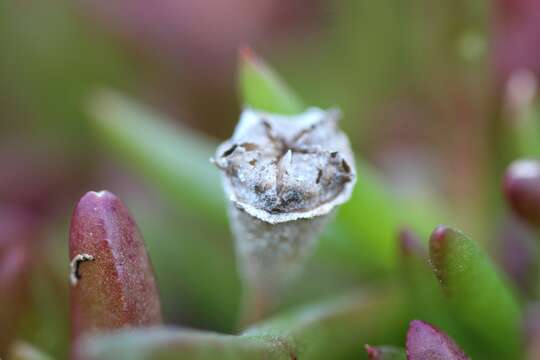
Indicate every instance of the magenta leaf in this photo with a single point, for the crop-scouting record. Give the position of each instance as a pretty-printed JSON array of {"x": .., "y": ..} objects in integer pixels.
[
  {"x": 112, "y": 282},
  {"x": 425, "y": 341}
]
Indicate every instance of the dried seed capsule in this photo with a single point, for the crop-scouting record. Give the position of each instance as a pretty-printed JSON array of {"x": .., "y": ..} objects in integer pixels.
[
  {"x": 521, "y": 186},
  {"x": 284, "y": 175}
]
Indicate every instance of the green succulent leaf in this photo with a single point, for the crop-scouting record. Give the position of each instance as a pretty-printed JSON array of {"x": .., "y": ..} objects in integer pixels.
[
  {"x": 479, "y": 298},
  {"x": 331, "y": 329},
  {"x": 161, "y": 343},
  {"x": 174, "y": 158},
  {"x": 420, "y": 286},
  {"x": 261, "y": 88}
]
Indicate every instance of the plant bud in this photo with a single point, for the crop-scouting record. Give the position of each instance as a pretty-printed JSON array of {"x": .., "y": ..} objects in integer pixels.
[
  {"x": 284, "y": 176},
  {"x": 522, "y": 189}
]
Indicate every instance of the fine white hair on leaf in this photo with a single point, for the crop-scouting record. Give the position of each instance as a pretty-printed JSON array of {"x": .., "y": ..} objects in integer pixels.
[{"x": 74, "y": 275}]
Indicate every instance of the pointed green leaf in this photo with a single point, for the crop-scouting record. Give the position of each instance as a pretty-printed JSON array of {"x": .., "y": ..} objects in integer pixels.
[
  {"x": 364, "y": 233},
  {"x": 166, "y": 343},
  {"x": 174, "y": 158},
  {"x": 422, "y": 289},
  {"x": 262, "y": 89},
  {"x": 479, "y": 298}
]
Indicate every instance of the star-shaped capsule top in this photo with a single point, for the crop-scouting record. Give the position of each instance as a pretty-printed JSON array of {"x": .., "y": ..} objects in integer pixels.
[{"x": 281, "y": 168}]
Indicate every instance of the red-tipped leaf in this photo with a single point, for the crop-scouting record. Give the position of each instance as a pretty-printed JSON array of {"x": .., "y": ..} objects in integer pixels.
[
  {"x": 385, "y": 353},
  {"x": 479, "y": 297}
]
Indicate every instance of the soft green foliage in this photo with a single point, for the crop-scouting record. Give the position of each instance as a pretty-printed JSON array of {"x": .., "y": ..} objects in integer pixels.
[
  {"x": 178, "y": 244},
  {"x": 177, "y": 160},
  {"x": 425, "y": 300},
  {"x": 386, "y": 353},
  {"x": 332, "y": 329},
  {"x": 171, "y": 343},
  {"x": 479, "y": 298},
  {"x": 364, "y": 233},
  {"x": 48, "y": 315},
  {"x": 328, "y": 330},
  {"x": 261, "y": 88},
  {"x": 365, "y": 242}
]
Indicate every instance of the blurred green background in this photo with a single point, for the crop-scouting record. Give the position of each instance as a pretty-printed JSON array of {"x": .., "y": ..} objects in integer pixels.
[{"x": 422, "y": 84}]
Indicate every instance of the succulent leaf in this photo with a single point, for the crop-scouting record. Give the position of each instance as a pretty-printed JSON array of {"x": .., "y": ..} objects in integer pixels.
[{"x": 112, "y": 282}]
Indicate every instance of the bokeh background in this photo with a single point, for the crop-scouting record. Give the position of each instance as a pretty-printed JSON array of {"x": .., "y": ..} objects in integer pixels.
[{"x": 424, "y": 86}]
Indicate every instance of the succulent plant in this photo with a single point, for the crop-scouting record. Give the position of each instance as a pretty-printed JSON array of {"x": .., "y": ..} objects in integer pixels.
[{"x": 285, "y": 170}]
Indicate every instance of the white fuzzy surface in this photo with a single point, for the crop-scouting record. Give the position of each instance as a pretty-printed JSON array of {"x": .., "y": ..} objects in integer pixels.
[{"x": 282, "y": 168}]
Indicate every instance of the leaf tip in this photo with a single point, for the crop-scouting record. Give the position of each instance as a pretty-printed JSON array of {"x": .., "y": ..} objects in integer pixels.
[
  {"x": 409, "y": 243},
  {"x": 521, "y": 186},
  {"x": 118, "y": 289},
  {"x": 440, "y": 234},
  {"x": 98, "y": 196},
  {"x": 246, "y": 54},
  {"x": 438, "y": 250},
  {"x": 439, "y": 239},
  {"x": 372, "y": 352},
  {"x": 425, "y": 341}
]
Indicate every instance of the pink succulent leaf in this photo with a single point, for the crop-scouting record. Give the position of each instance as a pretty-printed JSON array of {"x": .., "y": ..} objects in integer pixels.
[{"x": 425, "y": 341}]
